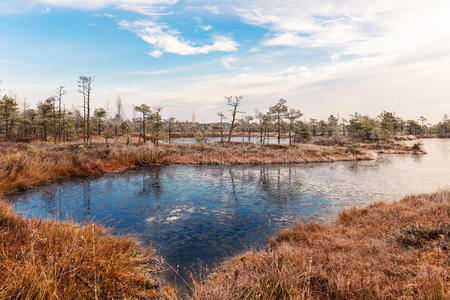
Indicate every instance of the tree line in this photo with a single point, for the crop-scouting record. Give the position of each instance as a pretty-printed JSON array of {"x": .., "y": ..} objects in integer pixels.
[{"x": 51, "y": 121}]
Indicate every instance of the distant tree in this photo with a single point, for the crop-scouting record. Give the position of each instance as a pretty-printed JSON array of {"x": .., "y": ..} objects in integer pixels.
[
  {"x": 302, "y": 131},
  {"x": 99, "y": 115},
  {"x": 8, "y": 111},
  {"x": 85, "y": 88},
  {"x": 279, "y": 111},
  {"x": 156, "y": 125},
  {"x": 323, "y": 126},
  {"x": 332, "y": 125},
  {"x": 267, "y": 120},
  {"x": 413, "y": 127},
  {"x": 389, "y": 123},
  {"x": 125, "y": 127},
  {"x": 234, "y": 103},
  {"x": 248, "y": 120},
  {"x": 170, "y": 124},
  {"x": 293, "y": 115},
  {"x": 31, "y": 116},
  {"x": 145, "y": 111},
  {"x": 44, "y": 113},
  {"x": 109, "y": 124},
  {"x": 314, "y": 126},
  {"x": 422, "y": 120},
  {"x": 221, "y": 117},
  {"x": 370, "y": 128},
  {"x": 25, "y": 121},
  {"x": 344, "y": 124},
  {"x": 118, "y": 117},
  {"x": 444, "y": 125},
  {"x": 364, "y": 127},
  {"x": 54, "y": 118},
  {"x": 60, "y": 92}
]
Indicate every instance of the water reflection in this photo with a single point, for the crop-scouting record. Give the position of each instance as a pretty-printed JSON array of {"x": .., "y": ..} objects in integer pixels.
[{"x": 202, "y": 213}]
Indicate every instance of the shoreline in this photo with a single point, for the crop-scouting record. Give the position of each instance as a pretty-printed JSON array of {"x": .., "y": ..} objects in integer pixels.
[
  {"x": 397, "y": 249},
  {"x": 20, "y": 162},
  {"x": 383, "y": 251},
  {"x": 90, "y": 161}
]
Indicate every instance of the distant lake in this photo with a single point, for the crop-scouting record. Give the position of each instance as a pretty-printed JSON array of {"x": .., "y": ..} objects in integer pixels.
[
  {"x": 253, "y": 139},
  {"x": 201, "y": 214}
]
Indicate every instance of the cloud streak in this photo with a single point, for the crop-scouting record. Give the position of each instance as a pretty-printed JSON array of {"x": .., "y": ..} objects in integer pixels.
[
  {"x": 164, "y": 39},
  {"x": 147, "y": 7}
]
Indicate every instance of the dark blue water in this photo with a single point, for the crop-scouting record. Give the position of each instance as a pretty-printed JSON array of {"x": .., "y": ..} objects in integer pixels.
[{"x": 193, "y": 214}]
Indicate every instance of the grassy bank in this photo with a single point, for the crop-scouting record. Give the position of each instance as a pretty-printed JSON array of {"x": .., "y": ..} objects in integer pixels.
[
  {"x": 382, "y": 146},
  {"x": 382, "y": 251},
  {"x": 50, "y": 260},
  {"x": 23, "y": 165}
]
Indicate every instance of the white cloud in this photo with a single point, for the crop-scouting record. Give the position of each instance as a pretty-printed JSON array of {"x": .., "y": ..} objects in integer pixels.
[
  {"x": 164, "y": 39},
  {"x": 147, "y": 7},
  {"x": 228, "y": 61},
  {"x": 156, "y": 53},
  {"x": 109, "y": 16},
  {"x": 335, "y": 57},
  {"x": 368, "y": 85},
  {"x": 207, "y": 27},
  {"x": 350, "y": 26},
  {"x": 212, "y": 8}
]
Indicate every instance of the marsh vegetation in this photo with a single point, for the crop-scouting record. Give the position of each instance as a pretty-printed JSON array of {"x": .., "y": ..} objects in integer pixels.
[{"x": 380, "y": 251}]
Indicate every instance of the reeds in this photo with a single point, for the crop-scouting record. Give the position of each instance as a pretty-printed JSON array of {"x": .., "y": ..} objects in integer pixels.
[
  {"x": 53, "y": 260},
  {"x": 23, "y": 165},
  {"x": 382, "y": 251}
]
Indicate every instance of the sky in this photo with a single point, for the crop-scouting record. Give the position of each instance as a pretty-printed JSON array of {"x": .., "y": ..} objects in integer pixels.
[{"x": 323, "y": 57}]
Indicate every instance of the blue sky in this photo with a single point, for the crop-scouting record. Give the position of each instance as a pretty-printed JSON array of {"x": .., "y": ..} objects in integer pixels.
[{"x": 323, "y": 57}]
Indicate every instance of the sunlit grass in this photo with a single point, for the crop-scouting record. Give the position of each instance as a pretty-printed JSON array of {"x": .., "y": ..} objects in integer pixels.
[
  {"x": 382, "y": 251},
  {"x": 53, "y": 260}
]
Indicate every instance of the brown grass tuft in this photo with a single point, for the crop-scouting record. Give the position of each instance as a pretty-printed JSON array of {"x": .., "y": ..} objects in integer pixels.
[
  {"x": 53, "y": 260},
  {"x": 382, "y": 251}
]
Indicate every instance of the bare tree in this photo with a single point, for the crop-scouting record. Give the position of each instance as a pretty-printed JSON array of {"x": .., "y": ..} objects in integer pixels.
[
  {"x": 85, "y": 85},
  {"x": 53, "y": 101},
  {"x": 248, "y": 120},
  {"x": 260, "y": 117},
  {"x": 234, "y": 103},
  {"x": 170, "y": 122},
  {"x": 60, "y": 92},
  {"x": 222, "y": 117},
  {"x": 119, "y": 115},
  {"x": 24, "y": 119}
]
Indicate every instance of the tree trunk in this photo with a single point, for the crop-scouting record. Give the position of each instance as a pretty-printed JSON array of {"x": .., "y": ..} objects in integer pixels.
[{"x": 279, "y": 130}]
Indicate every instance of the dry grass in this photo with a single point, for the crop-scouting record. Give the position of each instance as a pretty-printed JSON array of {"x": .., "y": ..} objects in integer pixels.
[
  {"x": 24, "y": 165},
  {"x": 383, "y": 251},
  {"x": 50, "y": 260},
  {"x": 382, "y": 146}
]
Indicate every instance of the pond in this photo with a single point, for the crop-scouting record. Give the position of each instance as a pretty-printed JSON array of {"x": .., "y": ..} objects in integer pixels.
[{"x": 197, "y": 215}]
